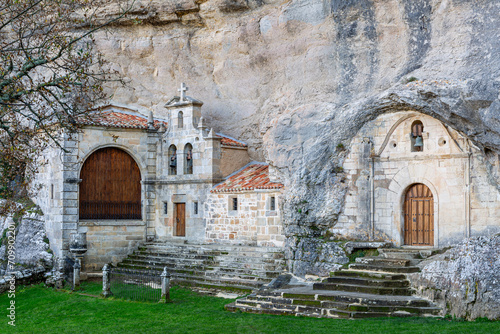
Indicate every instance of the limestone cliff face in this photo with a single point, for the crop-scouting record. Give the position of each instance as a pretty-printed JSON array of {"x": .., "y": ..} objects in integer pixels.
[{"x": 297, "y": 78}]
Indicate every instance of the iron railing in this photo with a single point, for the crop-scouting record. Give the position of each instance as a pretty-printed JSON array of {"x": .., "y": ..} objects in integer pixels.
[
  {"x": 135, "y": 285},
  {"x": 110, "y": 210}
]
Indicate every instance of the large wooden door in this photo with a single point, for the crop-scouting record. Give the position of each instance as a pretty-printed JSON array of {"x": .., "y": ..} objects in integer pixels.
[
  {"x": 180, "y": 219},
  {"x": 419, "y": 216},
  {"x": 111, "y": 186}
]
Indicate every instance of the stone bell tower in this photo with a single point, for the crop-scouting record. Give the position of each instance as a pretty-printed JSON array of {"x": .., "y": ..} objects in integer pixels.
[{"x": 184, "y": 114}]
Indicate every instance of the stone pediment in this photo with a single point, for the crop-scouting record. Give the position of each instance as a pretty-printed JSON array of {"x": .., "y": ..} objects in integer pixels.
[{"x": 176, "y": 102}]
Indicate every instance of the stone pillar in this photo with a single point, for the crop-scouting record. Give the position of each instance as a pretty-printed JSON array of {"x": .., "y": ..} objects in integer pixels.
[
  {"x": 70, "y": 190},
  {"x": 213, "y": 157},
  {"x": 106, "y": 282},
  {"x": 149, "y": 185},
  {"x": 165, "y": 286},
  {"x": 76, "y": 274}
]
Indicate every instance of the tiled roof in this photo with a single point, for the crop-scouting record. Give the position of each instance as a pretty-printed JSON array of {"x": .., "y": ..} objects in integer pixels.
[
  {"x": 134, "y": 120},
  {"x": 251, "y": 177},
  {"x": 228, "y": 141},
  {"x": 116, "y": 119}
]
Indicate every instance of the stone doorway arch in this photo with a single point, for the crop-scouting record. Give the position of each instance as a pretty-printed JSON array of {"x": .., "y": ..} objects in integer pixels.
[{"x": 418, "y": 210}]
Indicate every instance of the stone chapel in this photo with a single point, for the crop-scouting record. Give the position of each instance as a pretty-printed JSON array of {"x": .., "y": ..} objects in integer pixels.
[{"x": 127, "y": 178}]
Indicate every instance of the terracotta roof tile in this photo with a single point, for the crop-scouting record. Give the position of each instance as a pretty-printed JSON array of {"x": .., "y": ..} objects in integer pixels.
[
  {"x": 228, "y": 141},
  {"x": 254, "y": 176},
  {"x": 116, "y": 119}
]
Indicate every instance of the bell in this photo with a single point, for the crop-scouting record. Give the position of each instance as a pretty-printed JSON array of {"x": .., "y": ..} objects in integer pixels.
[
  {"x": 173, "y": 162},
  {"x": 419, "y": 142}
]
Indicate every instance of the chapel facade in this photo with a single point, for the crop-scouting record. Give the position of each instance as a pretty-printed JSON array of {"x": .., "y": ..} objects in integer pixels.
[
  {"x": 414, "y": 181},
  {"x": 127, "y": 178}
]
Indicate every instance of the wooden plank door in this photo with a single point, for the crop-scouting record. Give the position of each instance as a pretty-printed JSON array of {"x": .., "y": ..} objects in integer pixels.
[
  {"x": 180, "y": 219},
  {"x": 419, "y": 216},
  {"x": 111, "y": 186}
]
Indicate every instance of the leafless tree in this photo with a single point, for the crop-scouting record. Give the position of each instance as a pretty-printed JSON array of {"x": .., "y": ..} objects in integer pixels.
[{"x": 50, "y": 76}]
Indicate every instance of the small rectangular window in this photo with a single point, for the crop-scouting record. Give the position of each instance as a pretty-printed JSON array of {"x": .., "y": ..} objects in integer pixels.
[
  {"x": 272, "y": 205},
  {"x": 165, "y": 208},
  {"x": 195, "y": 208},
  {"x": 51, "y": 191},
  {"x": 235, "y": 204}
]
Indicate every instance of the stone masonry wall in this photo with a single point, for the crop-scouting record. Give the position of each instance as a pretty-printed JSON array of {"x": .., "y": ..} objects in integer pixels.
[
  {"x": 443, "y": 166},
  {"x": 111, "y": 241},
  {"x": 252, "y": 224}
]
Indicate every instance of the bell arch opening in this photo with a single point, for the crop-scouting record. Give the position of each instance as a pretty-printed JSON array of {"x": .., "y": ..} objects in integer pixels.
[
  {"x": 417, "y": 138},
  {"x": 172, "y": 160},
  {"x": 188, "y": 159},
  {"x": 111, "y": 186}
]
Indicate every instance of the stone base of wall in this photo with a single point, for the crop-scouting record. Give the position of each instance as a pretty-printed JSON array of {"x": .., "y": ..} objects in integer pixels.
[
  {"x": 23, "y": 277},
  {"x": 110, "y": 241}
]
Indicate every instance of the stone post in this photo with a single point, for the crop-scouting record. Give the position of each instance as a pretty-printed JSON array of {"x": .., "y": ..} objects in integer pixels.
[
  {"x": 76, "y": 274},
  {"x": 106, "y": 283},
  {"x": 165, "y": 286}
]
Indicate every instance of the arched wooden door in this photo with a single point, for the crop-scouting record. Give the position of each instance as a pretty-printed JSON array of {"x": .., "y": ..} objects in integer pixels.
[
  {"x": 419, "y": 216},
  {"x": 111, "y": 186}
]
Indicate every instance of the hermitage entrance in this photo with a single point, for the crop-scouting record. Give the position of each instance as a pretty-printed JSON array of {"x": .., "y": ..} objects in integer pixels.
[
  {"x": 111, "y": 186},
  {"x": 419, "y": 216},
  {"x": 180, "y": 219}
]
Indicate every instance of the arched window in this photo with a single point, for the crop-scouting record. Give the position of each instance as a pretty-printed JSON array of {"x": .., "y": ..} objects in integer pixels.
[
  {"x": 180, "y": 120},
  {"x": 111, "y": 186},
  {"x": 172, "y": 160},
  {"x": 188, "y": 159},
  {"x": 417, "y": 140}
]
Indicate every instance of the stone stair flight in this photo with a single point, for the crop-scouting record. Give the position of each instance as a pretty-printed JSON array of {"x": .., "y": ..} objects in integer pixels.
[
  {"x": 219, "y": 267},
  {"x": 370, "y": 287}
]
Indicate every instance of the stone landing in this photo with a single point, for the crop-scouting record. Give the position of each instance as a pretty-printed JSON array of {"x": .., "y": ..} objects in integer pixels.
[
  {"x": 371, "y": 287},
  {"x": 234, "y": 268}
]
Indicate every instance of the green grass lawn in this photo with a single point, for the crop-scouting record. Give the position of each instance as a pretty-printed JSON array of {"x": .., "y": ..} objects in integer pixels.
[{"x": 44, "y": 310}]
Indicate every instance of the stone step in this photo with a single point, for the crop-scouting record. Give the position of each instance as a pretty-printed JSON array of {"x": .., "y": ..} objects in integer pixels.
[
  {"x": 367, "y": 281},
  {"x": 397, "y": 253},
  {"x": 376, "y": 290},
  {"x": 326, "y": 310},
  {"x": 381, "y": 261},
  {"x": 387, "y": 269},
  {"x": 368, "y": 274},
  {"x": 263, "y": 264},
  {"x": 211, "y": 255},
  {"x": 266, "y": 276},
  {"x": 182, "y": 265},
  {"x": 222, "y": 249},
  {"x": 344, "y": 306}
]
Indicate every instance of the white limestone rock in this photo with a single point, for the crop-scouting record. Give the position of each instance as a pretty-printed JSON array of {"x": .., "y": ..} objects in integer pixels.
[
  {"x": 465, "y": 280},
  {"x": 31, "y": 245}
]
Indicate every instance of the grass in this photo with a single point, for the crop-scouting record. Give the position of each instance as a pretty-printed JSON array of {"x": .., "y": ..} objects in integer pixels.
[{"x": 43, "y": 310}]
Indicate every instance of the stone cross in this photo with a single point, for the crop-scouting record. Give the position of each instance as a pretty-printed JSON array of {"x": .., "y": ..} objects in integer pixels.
[{"x": 183, "y": 90}]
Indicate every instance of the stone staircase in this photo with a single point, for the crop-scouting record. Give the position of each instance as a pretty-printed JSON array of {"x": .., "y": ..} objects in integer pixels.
[
  {"x": 235, "y": 268},
  {"x": 371, "y": 287}
]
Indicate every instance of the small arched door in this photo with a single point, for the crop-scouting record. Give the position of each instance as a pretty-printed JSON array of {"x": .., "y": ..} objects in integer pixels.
[
  {"x": 111, "y": 186},
  {"x": 419, "y": 216}
]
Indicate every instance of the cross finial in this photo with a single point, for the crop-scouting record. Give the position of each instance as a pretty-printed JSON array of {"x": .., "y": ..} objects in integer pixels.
[{"x": 183, "y": 90}]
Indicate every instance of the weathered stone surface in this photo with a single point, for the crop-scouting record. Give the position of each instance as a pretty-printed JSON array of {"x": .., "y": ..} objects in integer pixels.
[
  {"x": 31, "y": 246},
  {"x": 313, "y": 256},
  {"x": 295, "y": 79},
  {"x": 465, "y": 280}
]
